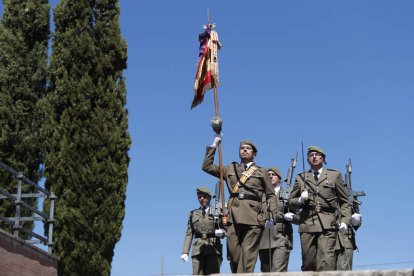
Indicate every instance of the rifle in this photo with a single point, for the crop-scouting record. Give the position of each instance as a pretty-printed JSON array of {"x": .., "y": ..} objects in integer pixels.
[
  {"x": 284, "y": 195},
  {"x": 303, "y": 168},
  {"x": 353, "y": 196},
  {"x": 217, "y": 210}
]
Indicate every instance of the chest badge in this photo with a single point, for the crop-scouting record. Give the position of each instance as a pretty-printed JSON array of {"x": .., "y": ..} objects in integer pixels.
[{"x": 328, "y": 184}]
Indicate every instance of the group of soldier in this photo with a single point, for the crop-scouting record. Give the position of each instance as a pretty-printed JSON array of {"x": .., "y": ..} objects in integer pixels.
[{"x": 259, "y": 218}]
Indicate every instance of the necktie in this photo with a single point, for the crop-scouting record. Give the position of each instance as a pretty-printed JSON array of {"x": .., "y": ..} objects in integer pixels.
[
  {"x": 315, "y": 175},
  {"x": 245, "y": 166},
  {"x": 203, "y": 212}
]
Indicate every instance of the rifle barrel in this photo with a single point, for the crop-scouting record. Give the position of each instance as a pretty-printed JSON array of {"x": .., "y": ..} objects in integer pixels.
[{"x": 359, "y": 193}]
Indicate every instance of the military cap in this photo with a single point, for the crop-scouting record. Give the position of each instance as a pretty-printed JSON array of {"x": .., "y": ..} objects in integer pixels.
[
  {"x": 203, "y": 190},
  {"x": 275, "y": 170},
  {"x": 250, "y": 143},
  {"x": 317, "y": 149}
]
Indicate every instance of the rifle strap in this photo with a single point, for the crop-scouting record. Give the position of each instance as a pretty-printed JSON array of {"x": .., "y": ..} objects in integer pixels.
[
  {"x": 305, "y": 184},
  {"x": 245, "y": 176}
]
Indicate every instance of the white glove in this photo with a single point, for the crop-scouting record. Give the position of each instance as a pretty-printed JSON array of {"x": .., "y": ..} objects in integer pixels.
[
  {"x": 356, "y": 219},
  {"x": 288, "y": 216},
  {"x": 219, "y": 233},
  {"x": 184, "y": 257},
  {"x": 269, "y": 224},
  {"x": 343, "y": 227},
  {"x": 217, "y": 139},
  {"x": 303, "y": 196}
]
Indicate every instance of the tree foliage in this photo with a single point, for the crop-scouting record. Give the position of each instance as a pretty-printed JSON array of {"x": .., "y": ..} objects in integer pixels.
[
  {"x": 86, "y": 134},
  {"x": 24, "y": 35}
]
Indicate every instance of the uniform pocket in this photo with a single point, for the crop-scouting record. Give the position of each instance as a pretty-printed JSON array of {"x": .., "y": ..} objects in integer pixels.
[
  {"x": 195, "y": 219},
  {"x": 261, "y": 217}
]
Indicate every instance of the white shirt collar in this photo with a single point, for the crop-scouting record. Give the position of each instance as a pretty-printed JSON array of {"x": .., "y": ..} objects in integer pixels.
[
  {"x": 319, "y": 171},
  {"x": 277, "y": 189},
  {"x": 248, "y": 164}
]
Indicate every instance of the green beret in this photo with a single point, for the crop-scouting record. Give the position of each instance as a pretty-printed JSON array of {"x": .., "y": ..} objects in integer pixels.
[
  {"x": 203, "y": 190},
  {"x": 275, "y": 170},
  {"x": 317, "y": 149},
  {"x": 250, "y": 143}
]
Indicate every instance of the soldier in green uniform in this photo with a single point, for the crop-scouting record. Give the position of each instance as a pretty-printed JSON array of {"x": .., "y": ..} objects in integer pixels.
[
  {"x": 346, "y": 244},
  {"x": 246, "y": 183},
  {"x": 206, "y": 253},
  {"x": 276, "y": 244},
  {"x": 318, "y": 193}
]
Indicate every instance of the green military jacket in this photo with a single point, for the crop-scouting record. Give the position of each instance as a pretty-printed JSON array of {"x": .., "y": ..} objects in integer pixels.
[
  {"x": 200, "y": 232},
  {"x": 347, "y": 240},
  {"x": 326, "y": 195},
  {"x": 282, "y": 234},
  {"x": 244, "y": 211}
]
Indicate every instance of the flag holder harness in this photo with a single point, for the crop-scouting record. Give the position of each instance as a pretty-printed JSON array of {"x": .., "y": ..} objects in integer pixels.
[{"x": 245, "y": 176}]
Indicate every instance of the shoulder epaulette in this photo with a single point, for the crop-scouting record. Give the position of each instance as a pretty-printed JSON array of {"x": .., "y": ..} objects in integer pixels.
[
  {"x": 191, "y": 214},
  {"x": 335, "y": 170}
]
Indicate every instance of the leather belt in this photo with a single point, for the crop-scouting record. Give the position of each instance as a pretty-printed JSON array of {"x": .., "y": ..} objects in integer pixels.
[
  {"x": 243, "y": 196},
  {"x": 320, "y": 209},
  {"x": 204, "y": 236}
]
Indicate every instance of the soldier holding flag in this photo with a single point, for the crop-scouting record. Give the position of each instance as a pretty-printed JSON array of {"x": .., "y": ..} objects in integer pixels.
[{"x": 247, "y": 183}]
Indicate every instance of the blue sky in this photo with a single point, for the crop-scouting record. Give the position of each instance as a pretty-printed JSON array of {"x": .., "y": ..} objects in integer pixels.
[{"x": 336, "y": 74}]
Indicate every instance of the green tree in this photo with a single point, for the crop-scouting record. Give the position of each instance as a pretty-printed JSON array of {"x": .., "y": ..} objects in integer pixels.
[
  {"x": 24, "y": 36},
  {"x": 86, "y": 134}
]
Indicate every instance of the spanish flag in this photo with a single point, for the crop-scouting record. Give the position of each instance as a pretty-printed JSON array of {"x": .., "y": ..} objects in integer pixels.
[{"x": 207, "y": 75}]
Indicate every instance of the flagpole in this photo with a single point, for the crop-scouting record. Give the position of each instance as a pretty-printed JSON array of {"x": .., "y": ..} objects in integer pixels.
[
  {"x": 201, "y": 85},
  {"x": 223, "y": 199}
]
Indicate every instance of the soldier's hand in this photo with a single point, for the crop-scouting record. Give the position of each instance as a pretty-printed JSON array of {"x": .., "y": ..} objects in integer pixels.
[
  {"x": 217, "y": 140},
  {"x": 303, "y": 196},
  {"x": 184, "y": 257},
  {"x": 288, "y": 216},
  {"x": 356, "y": 219},
  {"x": 343, "y": 227},
  {"x": 220, "y": 233},
  {"x": 269, "y": 224}
]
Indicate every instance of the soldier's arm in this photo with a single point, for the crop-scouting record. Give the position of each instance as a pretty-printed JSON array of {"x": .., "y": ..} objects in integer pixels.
[
  {"x": 279, "y": 215},
  {"x": 343, "y": 200},
  {"x": 270, "y": 193},
  {"x": 208, "y": 165},
  {"x": 356, "y": 207},
  {"x": 356, "y": 210},
  {"x": 293, "y": 201},
  {"x": 188, "y": 236},
  {"x": 296, "y": 219}
]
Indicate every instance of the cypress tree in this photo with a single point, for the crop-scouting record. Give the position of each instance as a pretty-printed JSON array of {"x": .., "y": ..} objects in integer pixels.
[
  {"x": 86, "y": 134},
  {"x": 24, "y": 36}
]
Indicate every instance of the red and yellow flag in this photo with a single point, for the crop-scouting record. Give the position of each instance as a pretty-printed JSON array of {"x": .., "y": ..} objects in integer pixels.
[{"x": 207, "y": 75}]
